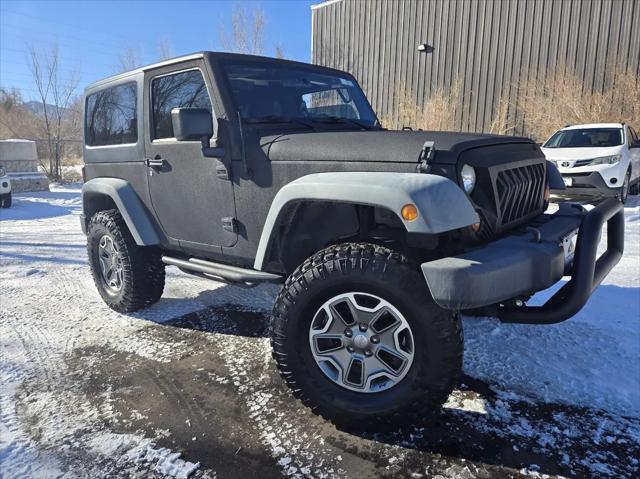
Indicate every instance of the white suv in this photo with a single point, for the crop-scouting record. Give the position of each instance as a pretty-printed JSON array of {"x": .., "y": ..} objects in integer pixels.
[
  {"x": 5, "y": 189},
  {"x": 597, "y": 160}
]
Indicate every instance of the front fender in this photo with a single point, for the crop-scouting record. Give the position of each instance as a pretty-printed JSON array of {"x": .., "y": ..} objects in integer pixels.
[
  {"x": 129, "y": 205},
  {"x": 442, "y": 205}
]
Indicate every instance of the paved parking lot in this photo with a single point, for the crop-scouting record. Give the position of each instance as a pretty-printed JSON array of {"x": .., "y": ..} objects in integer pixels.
[{"x": 187, "y": 388}]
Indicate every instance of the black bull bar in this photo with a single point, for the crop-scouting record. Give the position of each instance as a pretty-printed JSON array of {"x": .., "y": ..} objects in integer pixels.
[{"x": 588, "y": 269}]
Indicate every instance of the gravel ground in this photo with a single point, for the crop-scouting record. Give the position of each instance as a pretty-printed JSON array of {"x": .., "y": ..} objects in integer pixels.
[{"x": 187, "y": 387}]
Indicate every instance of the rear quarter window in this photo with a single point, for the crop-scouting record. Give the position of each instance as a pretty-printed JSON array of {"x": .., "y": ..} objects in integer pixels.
[{"x": 111, "y": 116}]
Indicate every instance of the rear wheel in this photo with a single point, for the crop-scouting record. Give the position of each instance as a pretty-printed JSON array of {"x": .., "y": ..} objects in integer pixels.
[
  {"x": 358, "y": 338},
  {"x": 128, "y": 277},
  {"x": 5, "y": 200}
]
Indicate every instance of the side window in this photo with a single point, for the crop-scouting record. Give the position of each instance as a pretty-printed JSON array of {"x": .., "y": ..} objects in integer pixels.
[
  {"x": 179, "y": 90},
  {"x": 633, "y": 136},
  {"x": 110, "y": 117}
]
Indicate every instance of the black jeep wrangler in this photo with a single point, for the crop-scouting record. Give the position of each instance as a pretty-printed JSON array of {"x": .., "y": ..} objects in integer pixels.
[{"x": 248, "y": 170}]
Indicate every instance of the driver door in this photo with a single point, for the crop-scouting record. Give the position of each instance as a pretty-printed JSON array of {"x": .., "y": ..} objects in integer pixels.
[{"x": 191, "y": 202}]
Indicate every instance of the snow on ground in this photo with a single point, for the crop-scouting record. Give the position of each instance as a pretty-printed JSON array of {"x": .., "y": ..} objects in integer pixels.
[
  {"x": 591, "y": 360},
  {"x": 187, "y": 387}
]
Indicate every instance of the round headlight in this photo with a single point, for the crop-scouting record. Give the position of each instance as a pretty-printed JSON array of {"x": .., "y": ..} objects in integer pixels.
[
  {"x": 2, "y": 172},
  {"x": 468, "y": 174}
]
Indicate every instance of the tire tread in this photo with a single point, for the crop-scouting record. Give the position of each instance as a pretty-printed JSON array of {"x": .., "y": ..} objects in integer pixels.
[
  {"x": 368, "y": 259},
  {"x": 144, "y": 276}
]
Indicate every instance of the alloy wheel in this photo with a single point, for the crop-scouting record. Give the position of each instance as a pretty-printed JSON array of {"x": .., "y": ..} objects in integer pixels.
[
  {"x": 361, "y": 342},
  {"x": 110, "y": 264}
]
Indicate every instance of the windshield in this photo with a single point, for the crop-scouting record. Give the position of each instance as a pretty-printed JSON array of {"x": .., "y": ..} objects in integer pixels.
[
  {"x": 277, "y": 92},
  {"x": 585, "y": 138}
]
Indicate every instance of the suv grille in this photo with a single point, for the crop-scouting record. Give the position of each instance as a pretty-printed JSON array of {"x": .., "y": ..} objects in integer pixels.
[{"x": 520, "y": 192}]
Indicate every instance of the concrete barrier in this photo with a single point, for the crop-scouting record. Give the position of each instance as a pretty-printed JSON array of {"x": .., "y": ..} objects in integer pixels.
[{"x": 20, "y": 159}]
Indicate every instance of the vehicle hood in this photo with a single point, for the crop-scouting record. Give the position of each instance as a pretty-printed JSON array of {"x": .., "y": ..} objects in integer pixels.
[
  {"x": 375, "y": 146},
  {"x": 569, "y": 154}
]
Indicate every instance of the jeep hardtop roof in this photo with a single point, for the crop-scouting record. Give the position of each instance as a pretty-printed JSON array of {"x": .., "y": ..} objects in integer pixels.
[{"x": 210, "y": 55}]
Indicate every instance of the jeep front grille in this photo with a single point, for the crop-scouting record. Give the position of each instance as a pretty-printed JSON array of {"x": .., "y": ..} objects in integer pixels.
[{"x": 520, "y": 192}]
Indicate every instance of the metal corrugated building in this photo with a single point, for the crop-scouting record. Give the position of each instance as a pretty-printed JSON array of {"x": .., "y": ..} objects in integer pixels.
[{"x": 485, "y": 45}]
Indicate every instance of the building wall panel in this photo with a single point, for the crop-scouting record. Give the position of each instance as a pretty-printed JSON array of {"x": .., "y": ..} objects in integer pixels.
[{"x": 485, "y": 46}]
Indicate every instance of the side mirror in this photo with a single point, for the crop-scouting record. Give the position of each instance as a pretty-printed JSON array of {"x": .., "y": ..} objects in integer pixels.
[{"x": 191, "y": 123}]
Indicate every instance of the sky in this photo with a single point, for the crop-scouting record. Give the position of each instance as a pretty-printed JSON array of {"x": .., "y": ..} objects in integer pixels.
[{"x": 92, "y": 35}]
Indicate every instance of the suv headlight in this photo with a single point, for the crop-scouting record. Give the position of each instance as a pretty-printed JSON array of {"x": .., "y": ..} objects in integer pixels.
[
  {"x": 468, "y": 175},
  {"x": 605, "y": 160}
]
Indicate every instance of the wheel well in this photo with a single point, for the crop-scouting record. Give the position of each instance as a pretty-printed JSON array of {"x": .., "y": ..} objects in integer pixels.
[
  {"x": 305, "y": 227},
  {"x": 94, "y": 202}
]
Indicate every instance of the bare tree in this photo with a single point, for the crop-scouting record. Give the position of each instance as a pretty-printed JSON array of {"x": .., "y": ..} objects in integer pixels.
[
  {"x": 165, "y": 49},
  {"x": 56, "y": 96},
  {"x": 16, "y": 121},
  {"x": 130, "y": 59},
  {"x": 247, "y": 32}
]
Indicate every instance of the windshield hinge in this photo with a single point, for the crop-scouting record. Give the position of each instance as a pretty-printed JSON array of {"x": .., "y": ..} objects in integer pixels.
[{"x": 426, "y": 156}]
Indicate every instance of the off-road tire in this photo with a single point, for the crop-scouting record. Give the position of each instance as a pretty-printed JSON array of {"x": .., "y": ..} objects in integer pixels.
[
  {"x": 5, "y": 200},
  {"x": 143, "y": 272},
  {"x": 635, "y": 188},
  {"x": 624, "y": 191},
  {"x": 379, "y": 271}
]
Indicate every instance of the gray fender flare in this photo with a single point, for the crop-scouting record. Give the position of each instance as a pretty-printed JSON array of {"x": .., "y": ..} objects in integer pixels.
[
  {"x": 442, "y": 205},
  {"x": 128, "y": 203}
]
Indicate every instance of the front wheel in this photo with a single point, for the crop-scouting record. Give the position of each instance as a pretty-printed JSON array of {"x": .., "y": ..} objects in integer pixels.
[
  {"x": 5, "y": 200},
  {"x": 635, "y": 188},
  {"x": 624, "y": 192},
  {"x": 358, "y": 338}
]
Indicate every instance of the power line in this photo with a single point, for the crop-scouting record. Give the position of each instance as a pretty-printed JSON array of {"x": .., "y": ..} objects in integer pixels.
[
  {"x": 26, "y": 63},
  {"x": 46, "y": 21},
  {"x": 103, "y": 44},
  {"x": 63, "y": 42},
  {"x": 64, "y": 70}
]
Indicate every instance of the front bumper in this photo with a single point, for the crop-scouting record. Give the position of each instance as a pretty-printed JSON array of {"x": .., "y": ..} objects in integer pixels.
[
  {"x": 522, "y": 264},
  {"x": 588, "y": 185}
]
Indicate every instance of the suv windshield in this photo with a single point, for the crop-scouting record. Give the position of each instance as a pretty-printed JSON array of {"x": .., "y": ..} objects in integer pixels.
[
  {"x": 585, "y": 138},
  {"x": 273, "y": 92}
]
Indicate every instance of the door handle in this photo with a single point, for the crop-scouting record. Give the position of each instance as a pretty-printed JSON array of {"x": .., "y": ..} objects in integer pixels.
[{"x": 156, "y": 162}]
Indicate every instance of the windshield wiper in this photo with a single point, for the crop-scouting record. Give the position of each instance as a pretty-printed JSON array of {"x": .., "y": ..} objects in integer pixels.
[
  {"x": 279, "y": 119},
  {"x": 340, "y": 119}
]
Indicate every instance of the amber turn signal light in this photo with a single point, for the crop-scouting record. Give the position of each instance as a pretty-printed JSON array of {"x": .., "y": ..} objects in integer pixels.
[
  {"x": 476, "y": 227},
  {"x": 547, "y": 193},
  {"x": 409, "y": 212}
]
